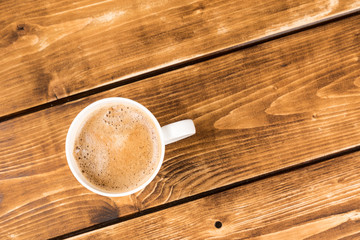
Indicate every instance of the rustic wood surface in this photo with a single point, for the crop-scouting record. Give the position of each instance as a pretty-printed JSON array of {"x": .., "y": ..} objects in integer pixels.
[
  {"x": 261, "y": 109},
  {"x": 53, "y": 49},
  {"x": 321, "y": 201}
]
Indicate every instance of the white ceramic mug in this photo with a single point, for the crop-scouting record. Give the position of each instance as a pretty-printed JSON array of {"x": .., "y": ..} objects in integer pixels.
[{"x": 168, "y": 134}]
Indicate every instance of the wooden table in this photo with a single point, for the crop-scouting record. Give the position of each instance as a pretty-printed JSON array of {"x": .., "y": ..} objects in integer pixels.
[{"x": 272, "y": 86}]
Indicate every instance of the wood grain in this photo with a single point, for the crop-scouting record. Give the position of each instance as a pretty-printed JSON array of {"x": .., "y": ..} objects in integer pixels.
[
  {"x": 256, "y": 111},
  {"x": 53, "y": 49},
  {"x": 317, "y": 202}
]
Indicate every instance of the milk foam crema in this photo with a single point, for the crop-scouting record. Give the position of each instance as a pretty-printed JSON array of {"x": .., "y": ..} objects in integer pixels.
[{"x": 117, "y": 148}]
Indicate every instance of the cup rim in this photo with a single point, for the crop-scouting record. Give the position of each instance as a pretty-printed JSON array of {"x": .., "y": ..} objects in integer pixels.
[{"x": 70, "y": 139}]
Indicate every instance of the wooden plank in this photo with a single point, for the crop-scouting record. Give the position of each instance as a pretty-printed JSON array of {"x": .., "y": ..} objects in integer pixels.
[
  {"x": 318, "y": 202},
  {"x": 53, "y": 49},
  {"x": 257, "y": 110}
]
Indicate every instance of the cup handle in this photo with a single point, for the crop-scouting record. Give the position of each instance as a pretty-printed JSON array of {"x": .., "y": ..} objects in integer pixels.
[{"x": 178, "y": 130}]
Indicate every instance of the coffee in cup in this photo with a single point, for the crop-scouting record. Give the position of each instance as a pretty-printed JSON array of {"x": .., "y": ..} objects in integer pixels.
[{"x": 117, "y": 148}]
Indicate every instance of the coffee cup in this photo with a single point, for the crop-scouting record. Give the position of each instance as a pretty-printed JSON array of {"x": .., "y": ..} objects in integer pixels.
[{"x": 115, "y": 146}]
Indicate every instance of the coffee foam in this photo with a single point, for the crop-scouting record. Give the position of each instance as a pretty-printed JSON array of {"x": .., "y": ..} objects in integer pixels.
[{"x": 117, "y": 148}]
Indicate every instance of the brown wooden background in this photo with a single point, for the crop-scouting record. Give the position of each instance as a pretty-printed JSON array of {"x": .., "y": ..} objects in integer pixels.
[{"x": 272, "y": 86}]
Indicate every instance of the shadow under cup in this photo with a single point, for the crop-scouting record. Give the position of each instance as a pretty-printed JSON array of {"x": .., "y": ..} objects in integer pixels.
[{"x": 76, "y": 126}]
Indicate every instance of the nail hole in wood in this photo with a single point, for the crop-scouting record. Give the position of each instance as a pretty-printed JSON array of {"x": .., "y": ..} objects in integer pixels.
[
  {"x": 20, "y": 27},
  {"x": 218, "y": 224}
]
